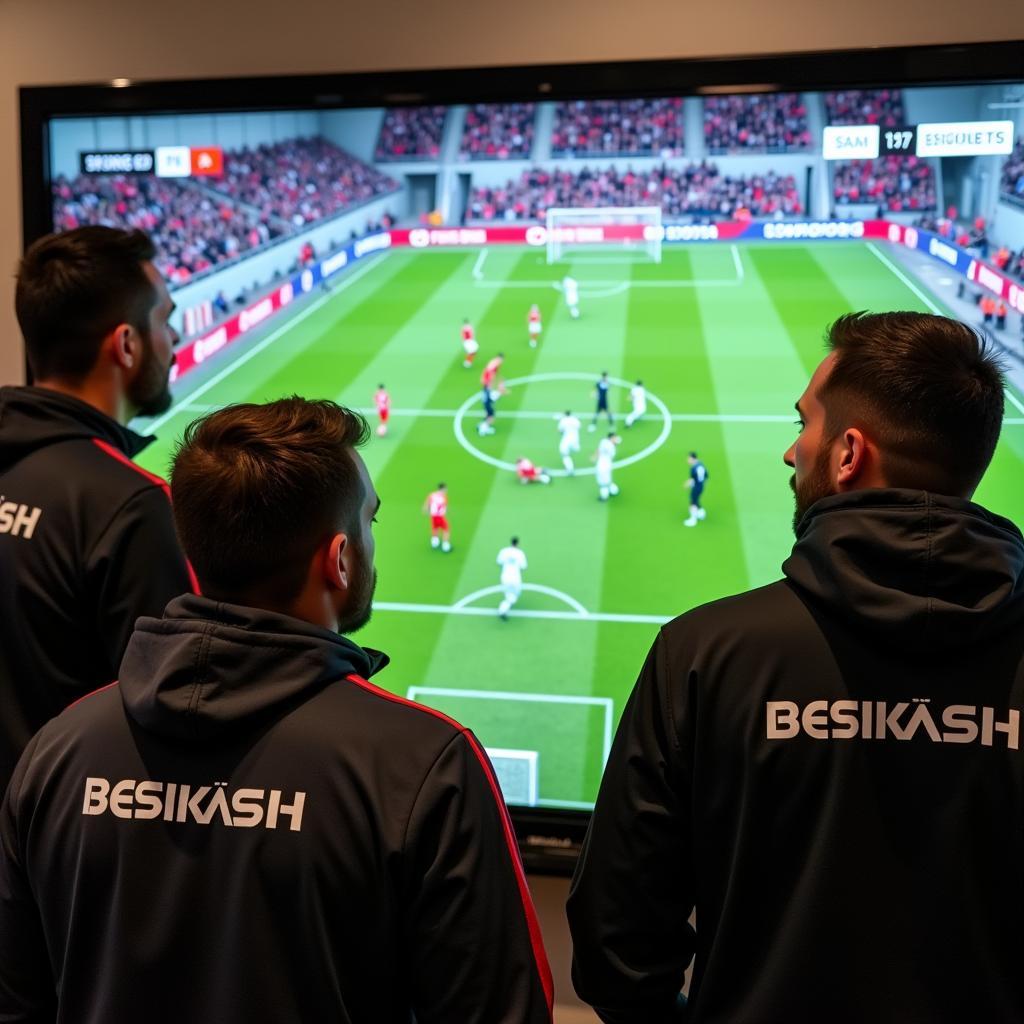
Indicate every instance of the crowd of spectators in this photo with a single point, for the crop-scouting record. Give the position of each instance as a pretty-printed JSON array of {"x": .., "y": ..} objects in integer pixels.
[
  {"x": 498, "y": 131},
  {"x": 1012, "y": 179},
  {"x": 883, "y": 107},
  {"x": 688, "y": 190},
  {"x": 193, "y": 230},
  {"x": 411, "y": 133},
  {"x": 756, "y": 123},
  {"x": 645, "y": 127},
  {"x": 299, "y": 181},
  {"x": 974, "y": 237},
  {"x": 896, "y": 184},
  {"x": 265, "y": 193}
]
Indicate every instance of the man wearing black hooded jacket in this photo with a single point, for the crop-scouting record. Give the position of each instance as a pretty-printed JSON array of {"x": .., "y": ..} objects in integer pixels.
[
  {"x": 245, "y": 828},
  {"x": 87, "y": 542},
  {"x": 829, "y": 770}
]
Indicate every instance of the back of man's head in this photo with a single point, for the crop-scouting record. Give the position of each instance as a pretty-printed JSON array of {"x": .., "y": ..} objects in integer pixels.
[
  {"x": 257, "y": 489},
  {"x": 928, "y": 390},
  {"x": 73, "y": 289}
]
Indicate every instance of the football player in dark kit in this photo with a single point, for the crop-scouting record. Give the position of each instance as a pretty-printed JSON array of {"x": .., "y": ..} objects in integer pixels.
[
  {"x": 695, "y": 485},
  {"x": 829, "y": 769},
  {"x": 245, "y": 827},
  {"x": 91, "y": 546},
  {"x": 601, "y": 389}
]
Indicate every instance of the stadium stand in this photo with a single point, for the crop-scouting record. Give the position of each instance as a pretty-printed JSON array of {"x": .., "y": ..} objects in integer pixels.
[
  {"x": 1011, "y": 182},
  {"x": 689, "y": 190},
  {"x": 265, "y": 194},
  {"x": 895, "y": 183},
  {"x": 497, "y": 131},
  {"x": 759, "y": 123},
  {"x": 300, "y": 181},
  {"x": 193, "y": 230},
  {"x": 883, "y": 107},
  {"x": 411, "y": 133},
  {"x": 645, "y": 127}
]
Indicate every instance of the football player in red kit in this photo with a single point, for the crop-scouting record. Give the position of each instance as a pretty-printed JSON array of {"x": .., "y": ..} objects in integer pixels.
[
  {"x": 436, "y": 506},
  {"x": 383, "y": 402}
]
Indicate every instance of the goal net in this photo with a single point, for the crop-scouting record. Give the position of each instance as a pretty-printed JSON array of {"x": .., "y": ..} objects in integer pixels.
[
  {"x": 517, "y": 774},
  {"x": 631, "y": 229}
]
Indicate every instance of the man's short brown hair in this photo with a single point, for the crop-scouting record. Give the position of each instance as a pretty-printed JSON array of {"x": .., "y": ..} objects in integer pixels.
[
  {"x": 258, "y": 488},
  {"x": 73, "y": 289},
  {"x": 927, "y": 389}
]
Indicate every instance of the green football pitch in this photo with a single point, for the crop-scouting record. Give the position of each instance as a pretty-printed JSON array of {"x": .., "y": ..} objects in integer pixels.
[{"x": 723, "y": 337}]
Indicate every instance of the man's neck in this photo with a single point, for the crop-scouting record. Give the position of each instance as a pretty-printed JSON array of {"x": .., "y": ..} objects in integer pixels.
[{"x": 100, "y": 395}]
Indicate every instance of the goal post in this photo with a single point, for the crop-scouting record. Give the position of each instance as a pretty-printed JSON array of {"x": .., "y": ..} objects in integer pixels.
[{"x": 635, "y": 229}]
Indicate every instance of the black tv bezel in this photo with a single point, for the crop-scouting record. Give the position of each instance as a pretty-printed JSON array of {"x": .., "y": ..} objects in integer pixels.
[{"x": 548, "y": 837}]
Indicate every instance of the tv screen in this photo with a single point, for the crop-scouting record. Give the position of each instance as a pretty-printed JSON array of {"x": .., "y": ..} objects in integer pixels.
[{"x": 564, "y": 315}]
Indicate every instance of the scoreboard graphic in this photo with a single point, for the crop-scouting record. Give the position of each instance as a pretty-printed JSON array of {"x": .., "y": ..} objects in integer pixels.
[
  {"x": 164, "y": 161},
  {"x": 954, "y": 138}
]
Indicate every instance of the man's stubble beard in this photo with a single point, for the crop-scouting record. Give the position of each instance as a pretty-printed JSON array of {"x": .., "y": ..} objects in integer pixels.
[
  {"x": 815, "y": 486},
  {"x": 150, "y": 391},
  {"x": 360, "y": 606}
]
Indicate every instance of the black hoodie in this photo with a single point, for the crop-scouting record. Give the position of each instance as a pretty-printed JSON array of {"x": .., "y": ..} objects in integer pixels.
[
  {"x": 245, "y": 829},
  {"x": 87, "y": 545},
  {"x": 829, "y": 769}
]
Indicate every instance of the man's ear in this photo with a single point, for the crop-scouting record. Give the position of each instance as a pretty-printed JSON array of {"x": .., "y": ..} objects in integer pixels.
[
  {"x": 855, "y": 459},
  {"x": 337, "y": 571},
  {"x": 123, "y": 346}
]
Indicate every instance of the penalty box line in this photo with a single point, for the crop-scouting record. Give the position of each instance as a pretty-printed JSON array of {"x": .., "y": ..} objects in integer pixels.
[{"x": 531, "y": 698}]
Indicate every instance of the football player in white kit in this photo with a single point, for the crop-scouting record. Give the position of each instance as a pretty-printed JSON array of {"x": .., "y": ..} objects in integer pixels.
[
  {"x": 605, "y": 455},
  {"x": 638, "y": 396},
  {"x": 571, "y": 291},
  {"x": 512, "y": 562},
  {"x": 569, "y": 428}
]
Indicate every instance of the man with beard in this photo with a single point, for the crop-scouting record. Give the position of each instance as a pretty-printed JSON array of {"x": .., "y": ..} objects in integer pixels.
[
  {"x": 828, "y": 770},
  {"x": 245, "y": 828},
  {"x": 86, "y": 537}
]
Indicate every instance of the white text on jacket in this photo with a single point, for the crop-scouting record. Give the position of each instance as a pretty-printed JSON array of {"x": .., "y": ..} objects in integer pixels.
[
  {"x": 171, "y": 801},
  {"x": 18, "y": 520},
  {"x": 880, "y": 720}
]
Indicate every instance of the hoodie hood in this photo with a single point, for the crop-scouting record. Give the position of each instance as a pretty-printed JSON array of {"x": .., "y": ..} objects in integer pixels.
[
  {"x": 207, "y": 667},
  {"x": 922, "y": 571},
  {"x": 32, "y": 418}
]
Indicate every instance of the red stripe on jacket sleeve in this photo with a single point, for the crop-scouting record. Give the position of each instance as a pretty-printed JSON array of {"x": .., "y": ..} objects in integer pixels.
[
  {"x": 532, "y": 924},
  {"x": 92, "y": 693},
  {"x": 160, "y": 482}
]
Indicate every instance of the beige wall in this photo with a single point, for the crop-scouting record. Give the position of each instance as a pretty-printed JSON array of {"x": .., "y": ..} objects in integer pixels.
[{"x": 53, "y": 41}]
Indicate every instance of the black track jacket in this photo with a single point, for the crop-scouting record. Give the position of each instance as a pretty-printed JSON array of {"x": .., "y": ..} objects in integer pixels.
[
  {"x": 246, "y": 830},
  {"x": 87, "y": 545},
  {"x": 830, "y": 769}
]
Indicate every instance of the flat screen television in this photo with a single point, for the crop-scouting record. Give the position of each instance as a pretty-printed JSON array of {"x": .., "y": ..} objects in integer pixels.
[{"x": 685, "y": 227}]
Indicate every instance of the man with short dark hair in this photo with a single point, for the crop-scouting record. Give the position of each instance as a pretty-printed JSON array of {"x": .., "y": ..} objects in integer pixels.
[
  {"x": 87, "y": 541},
  {"x": 829, "y": 769},
  {"x": 245, "y": 828}
]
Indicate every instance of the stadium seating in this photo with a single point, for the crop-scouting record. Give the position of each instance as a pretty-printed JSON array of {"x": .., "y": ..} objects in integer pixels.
[
  {"x": 643, "y": 127},
  {"x": 411, "y": 133},
  {"x": 300, "y": 181},
  {"x": 895, "y": 183},
  {"x": 498, "y": 131},
  {"x": 692, "y": 189},
  {"x": 193, "y": 230},
  {"x": 1011, "y": 181},
  {"x": 266, "y": 193},
  {"x": 761, "y": 123},
  {"x": 883, "y": 107}
]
